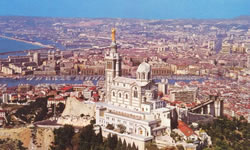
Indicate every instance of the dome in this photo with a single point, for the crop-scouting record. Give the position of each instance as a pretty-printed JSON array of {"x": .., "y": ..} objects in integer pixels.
[{"x": 144, "y": 67}]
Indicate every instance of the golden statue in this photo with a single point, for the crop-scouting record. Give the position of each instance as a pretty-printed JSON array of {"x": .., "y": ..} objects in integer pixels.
[{"x": 113, "y": 34}]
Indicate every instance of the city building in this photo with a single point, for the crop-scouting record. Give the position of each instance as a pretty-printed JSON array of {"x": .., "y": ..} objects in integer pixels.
[
  {"x": 248, "y": 57},
  {"x": 186, "y": 132},
  {"x": 132, "y": 103},
  {"x": 7, "y": 70},
  {"x": 37, "y": 58},
  {"x": 163, "y": 86},
  {"x": 5, "y": 98},
  {"x": 2, "y": 116},
  {"x": 186, "y": 94}
]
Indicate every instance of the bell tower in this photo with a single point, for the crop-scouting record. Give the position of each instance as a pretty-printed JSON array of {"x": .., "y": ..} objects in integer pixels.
[{"x": 113, "y": 65}]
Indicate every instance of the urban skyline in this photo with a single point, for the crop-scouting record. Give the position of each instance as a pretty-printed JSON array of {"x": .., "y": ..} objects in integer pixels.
[{"x": 88, "y": 75}]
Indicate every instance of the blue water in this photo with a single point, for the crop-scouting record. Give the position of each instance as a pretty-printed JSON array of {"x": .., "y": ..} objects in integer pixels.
[
  {"x": 13, "y": 54},
  {"x": 15, "y": 82},
  {"x": 66, "y": 80},
  {"x": 35, "y": 81},
  {"x": 7, "y": 45}
]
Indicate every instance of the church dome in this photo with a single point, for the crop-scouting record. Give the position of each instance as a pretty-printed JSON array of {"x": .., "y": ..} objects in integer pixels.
[{"x": 144, "y": 67}]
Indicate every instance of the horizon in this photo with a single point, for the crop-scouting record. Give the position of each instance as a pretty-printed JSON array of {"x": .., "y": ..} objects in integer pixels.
[
  {"x": 139, "y": 9},
  {"x": 236, "y": 17}
]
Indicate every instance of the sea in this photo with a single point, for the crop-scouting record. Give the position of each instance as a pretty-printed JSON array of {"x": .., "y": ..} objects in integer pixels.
[{"x": 8, "y": 45}]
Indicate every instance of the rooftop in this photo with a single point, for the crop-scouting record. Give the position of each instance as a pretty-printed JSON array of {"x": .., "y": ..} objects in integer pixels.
[{"x": 183, "y": 127}]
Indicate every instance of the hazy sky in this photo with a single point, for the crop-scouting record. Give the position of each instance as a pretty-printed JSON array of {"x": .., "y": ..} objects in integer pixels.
[{"x": 151, "y": 9}]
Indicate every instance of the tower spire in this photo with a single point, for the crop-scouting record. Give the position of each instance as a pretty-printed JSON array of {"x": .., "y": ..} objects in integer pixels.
[
  {"x": 113, "y": 65},
  {"x": 113, "y": 34},
  {"x": 113, "y": 45}
]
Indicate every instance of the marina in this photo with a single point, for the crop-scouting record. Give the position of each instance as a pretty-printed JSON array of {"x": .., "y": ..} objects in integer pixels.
[{"x": 35, "y": 80}]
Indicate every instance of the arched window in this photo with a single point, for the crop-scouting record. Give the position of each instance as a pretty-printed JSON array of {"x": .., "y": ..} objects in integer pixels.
[
  {"x": 113, "y": 93},
  {"x": 140, "y": 131},
  {"x": 109, "y": 65},
  {"x": 126, "y": 96},
  {"x": 135, "y": 93},
  {"x": 120, "y": 95},
  {"x": 143, "y": 75}
]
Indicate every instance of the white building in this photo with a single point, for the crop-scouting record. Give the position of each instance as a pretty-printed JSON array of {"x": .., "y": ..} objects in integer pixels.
[
  {"x": 17, "y": 68},
  {"x": 248, "y": 58},
  {"x": 163, "y": 86},
  {"x": 2, "y": 116},
  {"x": 7, "y": 70},
  {"x": 6, "y": 98},
  {"x": 132, "y": 102}
]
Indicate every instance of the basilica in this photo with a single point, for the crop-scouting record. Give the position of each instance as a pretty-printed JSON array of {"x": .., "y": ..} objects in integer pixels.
[{"x": 132, "y": 102}]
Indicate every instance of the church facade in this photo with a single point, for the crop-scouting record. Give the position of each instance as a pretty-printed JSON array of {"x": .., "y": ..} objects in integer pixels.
[{"x": 132, "y": 102}]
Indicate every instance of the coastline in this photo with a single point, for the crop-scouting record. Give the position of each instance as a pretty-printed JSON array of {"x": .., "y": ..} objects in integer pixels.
[{"x": 29, "y": 42}]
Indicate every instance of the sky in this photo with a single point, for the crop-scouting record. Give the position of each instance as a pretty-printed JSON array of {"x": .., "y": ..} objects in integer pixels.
[{"x": 146, "y": 9}]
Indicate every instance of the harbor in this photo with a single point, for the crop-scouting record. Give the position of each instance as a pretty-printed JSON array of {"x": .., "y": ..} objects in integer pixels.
[{"x": 35, "y": 80}]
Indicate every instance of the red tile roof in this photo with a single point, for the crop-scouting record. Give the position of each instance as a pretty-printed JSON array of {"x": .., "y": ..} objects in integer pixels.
[
  {"x": 51, "y": 99},
  {"x": 185, "y": 129},
  {"x": 92, "y": 88},
  {"x": 66, "y": 88},
  {"x": 95, "y": 95}
]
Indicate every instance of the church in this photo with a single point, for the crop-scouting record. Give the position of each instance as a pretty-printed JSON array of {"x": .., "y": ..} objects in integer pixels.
[{"x": 132, "y": 103}]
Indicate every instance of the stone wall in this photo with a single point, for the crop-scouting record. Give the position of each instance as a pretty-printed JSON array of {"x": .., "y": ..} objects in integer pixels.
[{"x": 200, "y": 118}]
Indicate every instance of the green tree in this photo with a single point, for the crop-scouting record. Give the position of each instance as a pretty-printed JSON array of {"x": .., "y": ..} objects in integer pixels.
[
  {"x": 151, "y": 146},
  {"x": 60, "y": 107},
  {"x": 99, "y": 137},
  {"x": 229, "y": 134},
  {"x": 134, "y": 147},
  {"x": 112, "y": 141},
  {"x": 124, "y": 145},
  {"x": 119, "y": 145},
  {"x": 129, "y": 147},
  {"x": 62, "y": 138},
  {"x": 87, "y": 138},
  {"x": 92, "y": 121},
  {"x": 110, "y": 127}
]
